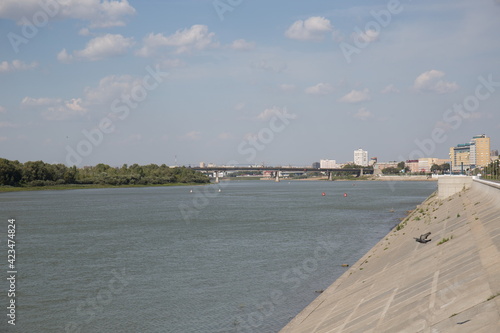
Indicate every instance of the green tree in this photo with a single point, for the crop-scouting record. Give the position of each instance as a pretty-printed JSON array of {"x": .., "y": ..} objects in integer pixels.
[
  {"x": 391, "y": 171},
  {"x": 436, "y": 168},
  {"x": 10, "y": 172}
]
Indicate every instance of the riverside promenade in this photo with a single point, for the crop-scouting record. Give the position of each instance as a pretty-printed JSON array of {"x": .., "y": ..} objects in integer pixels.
[{"x": 450, "y": 284}]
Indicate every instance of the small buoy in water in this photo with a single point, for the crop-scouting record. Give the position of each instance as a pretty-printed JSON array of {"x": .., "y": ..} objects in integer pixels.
[
  {"x": 345, "y": 265},
  {"x": 190, "y": 191},
  {"x": 345, "y": 194},
  {"x": 220, "y": 190},
  {"x": 323, "y": 193}
]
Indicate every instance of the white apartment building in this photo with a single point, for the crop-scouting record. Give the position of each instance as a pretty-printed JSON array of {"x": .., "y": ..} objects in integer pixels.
[{"x": 361, "y": 157}]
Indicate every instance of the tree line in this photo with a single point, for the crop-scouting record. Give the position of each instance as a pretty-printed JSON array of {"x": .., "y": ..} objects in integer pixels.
[
  {"x": 402, "y": 168},
  {"x": 39, "y": 173},
  {"x": 492, "y": 171}
]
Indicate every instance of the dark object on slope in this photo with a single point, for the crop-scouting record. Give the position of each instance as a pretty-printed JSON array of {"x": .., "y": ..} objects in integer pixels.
[{"x": 423, "y": 238}]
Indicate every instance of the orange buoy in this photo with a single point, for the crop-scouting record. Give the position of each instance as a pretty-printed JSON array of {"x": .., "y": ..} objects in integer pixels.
[
  {"x": 345, "y": 194},
  {"x": 323, "y": 193}
]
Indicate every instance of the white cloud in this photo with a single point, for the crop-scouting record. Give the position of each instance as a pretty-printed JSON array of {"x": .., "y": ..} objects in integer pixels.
[
  {"x": 320, "y": 89},
  {"x": 356, "y": 96},
  {"x": 135, "y": 137},
  {"x": 390, "y": 89},
  {"x": 225, "y": 136},
  {"x": 99, "y": 48},
  {"x": 84, "y": 32},
  {"x": 275, "y": 111},
  {"x": 98, "y": 98},
  {"x": 4, "y": 124},
  {"x": 100, "y": 13},
  {"x": 242, "y": 45},
  {"x": 44, "y": 101},
  {"x": 64, "y": 57},
  {"x": 287, "y": 87},
  {"x": 56, "y": 108},
  {"x": 367, "y": 36},
  {"x": 363, "y": 114},
  {"x": 109, "y": 88},
  {"x": 269, "y": 65},
  {"x": 192, "y": 136},
  {"x": 314, "y": 28},
  {"x": 16, "y": 65},
  {"x": 239, "y": 106},
  {"x": 195, "y": 38},
  {"x": 172, "y": 63},
  {"x": 430, "y": 81}
]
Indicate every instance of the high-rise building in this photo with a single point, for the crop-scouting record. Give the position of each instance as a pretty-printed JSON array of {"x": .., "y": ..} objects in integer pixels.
[
  {"x": 471, "y": 155},
  {"x": 361, "y": 157},
  {"x": 483, "y": 150}
]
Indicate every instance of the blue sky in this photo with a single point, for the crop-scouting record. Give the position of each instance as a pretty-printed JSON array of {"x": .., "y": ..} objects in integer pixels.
[{"x": 247, "y": 82}]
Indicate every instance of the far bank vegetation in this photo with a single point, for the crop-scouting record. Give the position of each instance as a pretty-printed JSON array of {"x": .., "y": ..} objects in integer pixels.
[{"x": 38, "y": 173}]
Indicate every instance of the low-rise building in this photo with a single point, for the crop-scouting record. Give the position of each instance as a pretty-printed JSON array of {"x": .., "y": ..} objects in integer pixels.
[
  {"x": 328, "y": 164},
  {"x": 413, "y": 166}
]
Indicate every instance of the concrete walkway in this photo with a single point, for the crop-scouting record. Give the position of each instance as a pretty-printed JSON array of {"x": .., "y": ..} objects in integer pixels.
[{"x": 404, "y": 286}]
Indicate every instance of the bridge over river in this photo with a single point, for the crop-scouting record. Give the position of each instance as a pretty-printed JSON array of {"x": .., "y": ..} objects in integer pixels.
[{"x": 277, "y": 169}]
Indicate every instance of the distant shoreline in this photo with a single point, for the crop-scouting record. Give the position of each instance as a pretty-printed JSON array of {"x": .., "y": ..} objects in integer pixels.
[
  {"x": 9, "y": 189},
  {"x": 369, "y": 178}
]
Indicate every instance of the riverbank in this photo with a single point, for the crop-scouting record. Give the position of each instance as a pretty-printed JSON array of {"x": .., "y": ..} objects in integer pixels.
[
  {"x": 449, "y": 284},
  {"x": 5, "y": 189}
]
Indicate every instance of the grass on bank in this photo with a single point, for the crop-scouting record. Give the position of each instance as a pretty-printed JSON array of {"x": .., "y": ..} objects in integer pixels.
[
  {"x": 4, "y": 189},
  {"x": 493, "y": 296}
]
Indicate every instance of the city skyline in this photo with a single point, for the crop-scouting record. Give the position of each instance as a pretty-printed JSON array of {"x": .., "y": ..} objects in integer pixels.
[{"x": 279, "y": 83}]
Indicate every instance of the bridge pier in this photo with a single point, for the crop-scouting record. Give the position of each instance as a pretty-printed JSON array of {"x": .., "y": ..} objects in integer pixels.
[
  {"x": 330, "y": 175},
  {"x": 361, "y": 172},
  {"x": 277, "y": 177},
  {"x": 216, "y": 177}
]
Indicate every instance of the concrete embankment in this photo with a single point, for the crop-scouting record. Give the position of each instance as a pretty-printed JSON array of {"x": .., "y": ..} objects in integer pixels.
[{"x": 450, "y": 284}]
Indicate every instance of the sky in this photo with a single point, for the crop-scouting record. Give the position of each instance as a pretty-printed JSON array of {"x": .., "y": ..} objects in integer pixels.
[{"x": 245, "y": 82}]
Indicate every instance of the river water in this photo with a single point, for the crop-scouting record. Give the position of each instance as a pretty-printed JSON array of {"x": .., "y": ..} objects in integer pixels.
[{"x": 246, "y": 258}]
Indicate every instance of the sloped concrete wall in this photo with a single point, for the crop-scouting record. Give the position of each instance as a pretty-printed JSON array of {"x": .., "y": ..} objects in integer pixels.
[
  {"x": 449, "y": 185},
  {"x": 450, "y": 284}
]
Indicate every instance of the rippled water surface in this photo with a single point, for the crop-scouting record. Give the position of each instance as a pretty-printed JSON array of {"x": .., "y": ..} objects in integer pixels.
[{"x": 165, "y": 259}]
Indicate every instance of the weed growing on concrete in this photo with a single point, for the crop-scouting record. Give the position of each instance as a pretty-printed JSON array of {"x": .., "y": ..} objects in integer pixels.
[
  {"x": 458, "y": 214},
  {"x": 477, "y": 203},
  {"x": 444, "y": 240},
  {"x": 401, "y": 225},
  {"x": 493, "y": 296}
]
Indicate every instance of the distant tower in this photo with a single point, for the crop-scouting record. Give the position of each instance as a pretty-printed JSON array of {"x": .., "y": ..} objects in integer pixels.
[{"x": 361, "y": 157}]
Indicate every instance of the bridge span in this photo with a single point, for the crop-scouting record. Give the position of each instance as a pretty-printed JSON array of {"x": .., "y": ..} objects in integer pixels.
[{"x": 277, "y": 169}]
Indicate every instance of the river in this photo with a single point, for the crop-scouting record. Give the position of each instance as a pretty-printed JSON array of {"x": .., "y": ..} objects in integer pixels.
[{"x": 240, "y": 256}]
